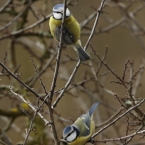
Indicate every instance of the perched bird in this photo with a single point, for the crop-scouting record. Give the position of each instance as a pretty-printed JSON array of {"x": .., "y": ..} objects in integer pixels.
[
  {"x": 81, "y": 130},
  {"x": 71, "y": 30}
]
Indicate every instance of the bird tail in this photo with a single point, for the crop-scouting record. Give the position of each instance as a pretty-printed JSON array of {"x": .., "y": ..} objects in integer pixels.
[
  {"x": 93, "y": 108},
  {"x": 83, "y": 55}
]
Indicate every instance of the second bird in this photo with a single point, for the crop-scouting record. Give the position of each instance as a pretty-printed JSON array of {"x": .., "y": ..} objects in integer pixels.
[
  {"x": 71, "y": 30},
  {"x": 80, "y": 132}
]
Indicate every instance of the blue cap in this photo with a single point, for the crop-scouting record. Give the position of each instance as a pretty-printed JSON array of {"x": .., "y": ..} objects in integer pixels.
[
  {"x": 67, "y": 130},
  {"x": 59, "y": 7}
]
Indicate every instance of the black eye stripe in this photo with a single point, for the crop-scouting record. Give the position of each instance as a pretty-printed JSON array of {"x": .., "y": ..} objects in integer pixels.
[
  {"x": 70, "y": 133},
  {"x": 57, "y": 12}
]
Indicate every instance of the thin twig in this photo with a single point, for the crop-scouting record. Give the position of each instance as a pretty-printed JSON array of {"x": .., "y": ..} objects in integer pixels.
[
  {"x": 30, "y": 105},
  {"x": 34, "y": 79},
  {"x": 138, "y": 79},
  {"x": 122, "y": 81},
  {"x": 32, "y": 120},
  {"x": 5, "y": 5},
  {"x": 111, "y": 118},
  {"x": 53, "y": 85},
  {"x": 27, "y": 28},
  {"x": 21, "y": 82},
  {"x": 4, "y": 140},
  {"x": 44, "y": 88},
  {"x": 125, "y": 68},
  {"x": 122, "y": 138},
  {"x": 30, "y": 127},
  {"x": 119, "y": 117},
  {"x": 16, "y": 17}
]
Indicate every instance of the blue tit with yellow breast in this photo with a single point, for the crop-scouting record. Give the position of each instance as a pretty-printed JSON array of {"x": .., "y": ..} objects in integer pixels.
[
  {"x": 81, "y": 130},
  {"x": 71, "y": 30}
]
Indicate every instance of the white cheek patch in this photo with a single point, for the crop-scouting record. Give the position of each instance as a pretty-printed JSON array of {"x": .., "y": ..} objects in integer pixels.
[
  {"x": 71, "y": 137},
  {"x": 67, "y": 12},
  {"x": 57, "y": 16}
]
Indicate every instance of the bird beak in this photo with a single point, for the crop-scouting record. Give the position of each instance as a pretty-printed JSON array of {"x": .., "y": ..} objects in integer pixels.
[{"x": 63, "y": 140}]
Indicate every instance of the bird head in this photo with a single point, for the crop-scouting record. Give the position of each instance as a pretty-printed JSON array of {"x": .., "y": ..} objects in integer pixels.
[
  {"x": 58, "y": 11},
  {"x": 70, "y": 133}
]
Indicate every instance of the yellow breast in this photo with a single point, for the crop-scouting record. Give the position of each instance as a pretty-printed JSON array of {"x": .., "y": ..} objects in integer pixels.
[{"x": 70, "y": 24}]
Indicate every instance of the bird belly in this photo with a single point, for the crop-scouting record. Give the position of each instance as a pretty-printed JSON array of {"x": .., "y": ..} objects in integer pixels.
[
  {"x": 80, "y": 141},
  {"x": 71, "y": 30},
  {"x": 67, "y": 37}
]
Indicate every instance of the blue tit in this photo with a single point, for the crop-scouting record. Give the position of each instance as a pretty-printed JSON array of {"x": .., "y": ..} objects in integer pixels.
[
  {"x": 71, "y": 30},
  {"x": 81, "y": 130}
]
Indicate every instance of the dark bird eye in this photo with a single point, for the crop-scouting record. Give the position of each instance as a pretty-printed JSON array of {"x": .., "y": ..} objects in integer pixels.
[
  {"x": 57, "y": 12},
  {"x": 70, "y": 134}
]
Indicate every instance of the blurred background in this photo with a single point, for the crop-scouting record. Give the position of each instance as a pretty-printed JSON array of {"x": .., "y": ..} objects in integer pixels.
[{"x": 25, "y": 36}]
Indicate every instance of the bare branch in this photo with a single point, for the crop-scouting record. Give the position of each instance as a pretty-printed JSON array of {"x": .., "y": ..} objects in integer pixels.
[{"x": 116, "y": 119}]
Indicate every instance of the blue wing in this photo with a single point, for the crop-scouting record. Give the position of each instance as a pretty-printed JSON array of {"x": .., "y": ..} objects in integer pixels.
[
  {"x": 83, "y": 122},
  {"x": 93, "y": 108}
]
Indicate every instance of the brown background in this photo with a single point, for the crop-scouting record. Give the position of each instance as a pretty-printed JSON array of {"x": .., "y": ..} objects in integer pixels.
[{"x": 122, "y": 45}]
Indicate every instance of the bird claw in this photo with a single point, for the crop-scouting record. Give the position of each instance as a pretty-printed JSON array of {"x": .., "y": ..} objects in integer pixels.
[{"x": 91, "y": 141}]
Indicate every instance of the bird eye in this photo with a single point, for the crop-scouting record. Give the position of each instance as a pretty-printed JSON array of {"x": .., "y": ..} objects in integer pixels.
[
  {"x": 56, "y": 12},
  {"x": 71, "y": 136}
]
